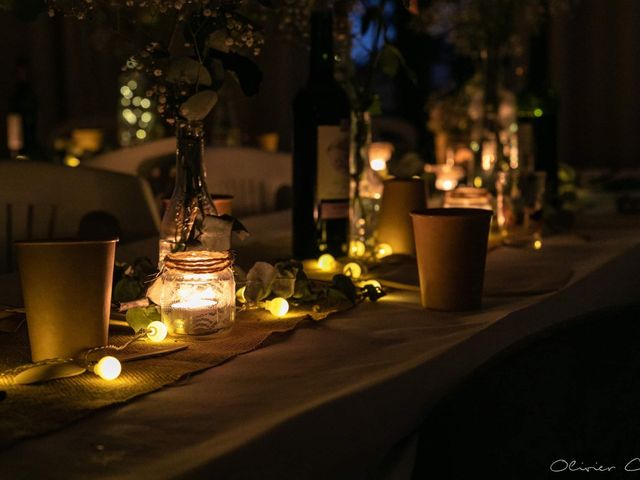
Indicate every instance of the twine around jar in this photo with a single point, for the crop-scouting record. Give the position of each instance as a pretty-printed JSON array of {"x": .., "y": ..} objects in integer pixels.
[{"x": 199, "y": 261}]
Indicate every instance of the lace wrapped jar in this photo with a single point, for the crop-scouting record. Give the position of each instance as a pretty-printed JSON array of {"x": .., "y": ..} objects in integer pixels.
[{"x": 198, "y": 292}]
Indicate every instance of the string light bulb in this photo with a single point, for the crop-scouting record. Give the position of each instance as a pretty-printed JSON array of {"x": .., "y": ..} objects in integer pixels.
[
  {"x": 156, "y": 331},
  {"x": 108, "y": 368},
  {"x": 278, "y": 307},
  {"x": 326, "y": 262},
  {"x": 353, "y": 270},
  {"x": 383, "y": 250},
  {"x": 357, "y": 248}
]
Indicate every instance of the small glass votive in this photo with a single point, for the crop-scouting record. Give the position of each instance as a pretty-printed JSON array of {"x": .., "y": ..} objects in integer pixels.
[{"x": 198, "y": 293}]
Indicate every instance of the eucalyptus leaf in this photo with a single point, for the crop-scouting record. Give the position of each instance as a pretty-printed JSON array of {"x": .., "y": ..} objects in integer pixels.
[
  {"x": 335, "y": 297},
  {"x": 343, "y": 284},
  {"x": 185, "y": 69},
  {"x": 140, "y": 317},
  {"x": 243, "y": 69},
  {"x": 199, "y": 105},
  {"x": 127, "y": 289},
  {"x": 259, "y": 280},
  {"x": 217, "y": 40},
  {"x": 373, "y": 293},
  {"x": 143, "y": 268},
  {"x": 283, "y": 287},
  {"x": 302, "y": 289}
]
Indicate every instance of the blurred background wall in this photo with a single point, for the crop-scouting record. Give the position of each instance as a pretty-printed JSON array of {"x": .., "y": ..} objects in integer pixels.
[{"x": 595, "y": 63}]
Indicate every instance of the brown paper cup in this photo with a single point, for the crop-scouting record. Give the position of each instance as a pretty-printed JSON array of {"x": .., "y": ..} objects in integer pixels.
[
  {"x": 451, "y": 246},
  {"x": 67, "y": 294},
  {"x": 400, "y": 197}
]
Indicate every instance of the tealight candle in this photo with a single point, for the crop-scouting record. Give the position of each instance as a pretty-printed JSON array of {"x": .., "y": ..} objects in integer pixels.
[
  {"x": 198, "y": 293},
  {"x": 195, "y": 316},
  {"x": 379, "y": 155},
  {"x": 446, "y": 183}
]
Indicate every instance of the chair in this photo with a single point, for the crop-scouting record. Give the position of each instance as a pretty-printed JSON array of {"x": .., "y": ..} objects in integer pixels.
[
  {"x": 259, "y": 181},
  {"x": 568, "y": 394},
  {"x": 46, "y": 201}
]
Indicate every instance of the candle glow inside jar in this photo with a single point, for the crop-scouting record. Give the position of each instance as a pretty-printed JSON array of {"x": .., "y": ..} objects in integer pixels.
[{"x": 198, "y": 293}]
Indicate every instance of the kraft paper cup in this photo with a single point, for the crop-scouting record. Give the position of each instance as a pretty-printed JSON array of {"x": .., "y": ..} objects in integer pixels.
[
  {"x": 400, "y": 197},
  {"x": 451, "y": 247},
  {"x": 67, "y": 295}
]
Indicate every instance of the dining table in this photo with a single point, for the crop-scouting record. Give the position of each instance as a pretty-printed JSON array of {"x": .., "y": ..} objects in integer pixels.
[{"x": 342, "y": 397}]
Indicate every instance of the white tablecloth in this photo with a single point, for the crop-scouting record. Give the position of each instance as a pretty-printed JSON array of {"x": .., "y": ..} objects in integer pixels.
[{"x": 336, "y": 399}]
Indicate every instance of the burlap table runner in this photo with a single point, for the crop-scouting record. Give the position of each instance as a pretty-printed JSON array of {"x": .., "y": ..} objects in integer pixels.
[{"x": 30, "y": 410}]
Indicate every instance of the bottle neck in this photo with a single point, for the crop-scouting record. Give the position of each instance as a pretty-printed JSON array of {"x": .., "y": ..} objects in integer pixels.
[
  {"x": 537, "y": 72},
  {"x": 321, "y": 57},
  {"x": 190, "y": 172}
]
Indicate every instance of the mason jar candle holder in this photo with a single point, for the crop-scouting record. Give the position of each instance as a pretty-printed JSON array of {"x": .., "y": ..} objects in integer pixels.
[{"x": 198, "y": 293}]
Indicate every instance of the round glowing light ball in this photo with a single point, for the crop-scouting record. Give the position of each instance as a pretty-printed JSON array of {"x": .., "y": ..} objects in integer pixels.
[
  {"x": 378, "y": 164},
  {"x": 108, "y": 368},
  {"x": 537, "y": 245},
  {"x": 353, "y": 270},
  {"x": 326, "y": 262},
  {"x": 357, "y": 248},
  {"x": 156, "y": 331},
  {"x": 278, "y": 307},
  {"x": 383, "y": 250}
]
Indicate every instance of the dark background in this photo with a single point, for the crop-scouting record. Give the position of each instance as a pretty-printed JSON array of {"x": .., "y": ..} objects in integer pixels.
[{"x": 595, "y": 65}]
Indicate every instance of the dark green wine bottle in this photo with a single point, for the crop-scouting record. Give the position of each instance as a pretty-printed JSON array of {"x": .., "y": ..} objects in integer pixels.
[
  {"x": 321, "y": 152},
  {"x": 538, "y": 117}
]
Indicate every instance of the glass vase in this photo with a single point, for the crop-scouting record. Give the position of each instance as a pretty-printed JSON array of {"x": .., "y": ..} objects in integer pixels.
[
  {"x": 365, "y": 190},
  {"x": 190, "y": 201}
]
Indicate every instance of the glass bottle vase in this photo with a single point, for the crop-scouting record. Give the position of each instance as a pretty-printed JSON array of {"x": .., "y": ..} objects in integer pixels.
[{"x": 190, "y": 201}]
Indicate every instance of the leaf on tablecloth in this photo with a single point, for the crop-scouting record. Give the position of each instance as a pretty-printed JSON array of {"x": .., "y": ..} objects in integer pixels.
[{"x": 140, "y": 317}]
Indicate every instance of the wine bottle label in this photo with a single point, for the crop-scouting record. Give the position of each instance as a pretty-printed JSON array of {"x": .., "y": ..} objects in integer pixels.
[{"x": 333, "y": 163}]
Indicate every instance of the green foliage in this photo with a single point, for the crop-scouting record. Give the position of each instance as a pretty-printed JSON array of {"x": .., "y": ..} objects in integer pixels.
[
  {"x": 180, "y": 46},
  {"x": 185, "y": 69},
  {"x": 199, "y": 105},
  {"x": 288, "y": 280},
  {"x": 345, "y": 286},
  {"x": 140, "y": 317},
  {"x": 130, "y": 280}
]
